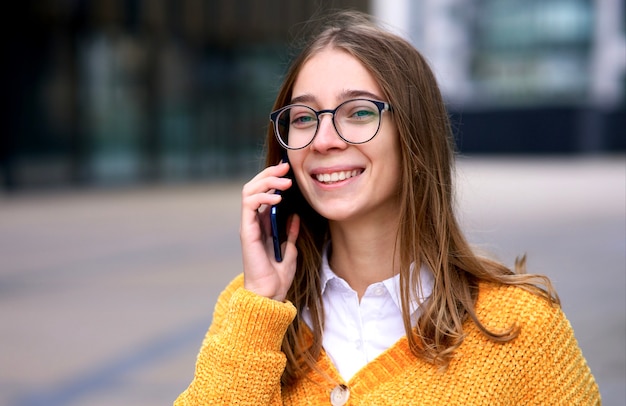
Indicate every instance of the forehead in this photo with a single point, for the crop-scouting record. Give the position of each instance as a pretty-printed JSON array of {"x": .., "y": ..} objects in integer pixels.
[{"x": 333, "y": 75}]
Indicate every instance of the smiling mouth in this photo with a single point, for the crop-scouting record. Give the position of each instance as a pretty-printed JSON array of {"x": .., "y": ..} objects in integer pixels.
[{"x": 337, "y": 176}]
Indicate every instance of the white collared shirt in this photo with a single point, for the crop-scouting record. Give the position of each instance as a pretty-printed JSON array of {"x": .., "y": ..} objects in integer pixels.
[{"x": 356, "y": 333}]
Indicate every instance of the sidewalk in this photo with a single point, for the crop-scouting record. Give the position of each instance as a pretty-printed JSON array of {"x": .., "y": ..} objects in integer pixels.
[{"x": 106, "y": 295}]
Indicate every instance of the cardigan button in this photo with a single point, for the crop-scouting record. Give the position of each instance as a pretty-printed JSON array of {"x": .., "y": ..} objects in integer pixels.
[{"x": 339, "y": 396}]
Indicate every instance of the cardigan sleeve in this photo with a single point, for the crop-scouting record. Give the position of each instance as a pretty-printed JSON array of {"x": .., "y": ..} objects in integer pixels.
[{"x": 240, "y": 360}]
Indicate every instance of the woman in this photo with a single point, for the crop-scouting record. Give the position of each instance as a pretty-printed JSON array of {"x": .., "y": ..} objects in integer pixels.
[{"x": 378, "y": 299}]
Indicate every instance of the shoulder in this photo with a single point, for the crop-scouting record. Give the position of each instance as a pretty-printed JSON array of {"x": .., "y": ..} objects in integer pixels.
[
  {"x": 533, "y": 329},
  {"x": 543, "y": 361},
  {"x": 501, "y": 306},
  {"x": 507, "y": 295},
  {"x": 532, "y": 356}
]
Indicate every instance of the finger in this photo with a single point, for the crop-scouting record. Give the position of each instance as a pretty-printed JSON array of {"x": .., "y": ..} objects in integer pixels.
[
  {"x": 265, "y": 182},
  {"x": 262, "y": 191},
  {"x": 276, "y": 171},
  {"x": 259, "y": 201},
  {"x": 293, "y": 230}
]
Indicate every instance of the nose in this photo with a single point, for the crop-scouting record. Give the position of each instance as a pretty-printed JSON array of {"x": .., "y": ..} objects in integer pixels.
[{"x": 327, "y": 137}]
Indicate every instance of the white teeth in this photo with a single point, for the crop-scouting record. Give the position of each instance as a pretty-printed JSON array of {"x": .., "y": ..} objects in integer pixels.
[{"x": 336, "y": 176}]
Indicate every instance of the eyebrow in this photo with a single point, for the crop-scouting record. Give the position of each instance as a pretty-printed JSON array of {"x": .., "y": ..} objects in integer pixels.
[{"x": 344, "y": 95}]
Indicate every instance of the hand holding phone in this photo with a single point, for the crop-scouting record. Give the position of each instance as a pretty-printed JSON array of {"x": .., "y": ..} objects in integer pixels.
[{"x": 263, "y": 275}]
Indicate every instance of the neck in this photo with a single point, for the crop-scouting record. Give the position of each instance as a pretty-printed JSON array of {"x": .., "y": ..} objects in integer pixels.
[{"x": 363, "y": 254}]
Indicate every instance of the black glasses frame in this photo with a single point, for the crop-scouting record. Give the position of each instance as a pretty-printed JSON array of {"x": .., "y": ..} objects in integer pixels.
[{"x": 382, "y": 107}]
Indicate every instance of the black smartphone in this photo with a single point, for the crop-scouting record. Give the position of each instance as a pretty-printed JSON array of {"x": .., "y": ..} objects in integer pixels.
[
  {"x": 277, "y": 226},
  {"x": 279, "y": 213}
]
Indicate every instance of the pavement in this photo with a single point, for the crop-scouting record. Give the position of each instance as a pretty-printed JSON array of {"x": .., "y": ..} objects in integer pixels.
[{"x": 105, "y": 295}]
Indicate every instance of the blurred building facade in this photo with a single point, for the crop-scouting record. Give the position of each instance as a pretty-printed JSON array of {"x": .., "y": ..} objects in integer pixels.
[
  {"x": 538, "y": 76},
  {"x": 133, "y": 91}
]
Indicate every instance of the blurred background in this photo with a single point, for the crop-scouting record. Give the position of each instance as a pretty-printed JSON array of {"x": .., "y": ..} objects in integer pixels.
[
  {"x": 106, "y": 92},
  {"x": 130, "y": 126}
]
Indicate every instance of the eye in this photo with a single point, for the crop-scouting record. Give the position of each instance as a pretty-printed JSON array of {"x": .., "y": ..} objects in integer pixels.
[
  {"x": 303, "y": 120},
  {"x": 300, "y": 117},
  {"x": 359, "y": 113},
  {"x": 363, "y": 113}
]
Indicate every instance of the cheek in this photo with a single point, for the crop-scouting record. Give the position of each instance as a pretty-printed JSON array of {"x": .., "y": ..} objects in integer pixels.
[
  {"x": 394, "y": 146},
  {"x": 296, "y": 159},
  {"x": 393, "y": 158},
  {"x": 387, "y": 148}
]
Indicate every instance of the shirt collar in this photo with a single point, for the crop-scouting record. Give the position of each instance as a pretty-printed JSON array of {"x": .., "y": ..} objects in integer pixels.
[{"x": 391, "y": 284}]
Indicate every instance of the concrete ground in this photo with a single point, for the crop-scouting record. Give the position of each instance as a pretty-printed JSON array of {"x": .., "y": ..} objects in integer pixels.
[{"x": 106, "y": 295}]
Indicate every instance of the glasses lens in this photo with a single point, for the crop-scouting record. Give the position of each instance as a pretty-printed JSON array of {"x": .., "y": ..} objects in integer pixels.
[
  {"x": 296, "y": 126},
  {"x": 357, "y": 120}
]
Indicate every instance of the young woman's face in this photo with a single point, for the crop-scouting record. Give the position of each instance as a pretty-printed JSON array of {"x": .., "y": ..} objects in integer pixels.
[{"x": 364, "y": 179}]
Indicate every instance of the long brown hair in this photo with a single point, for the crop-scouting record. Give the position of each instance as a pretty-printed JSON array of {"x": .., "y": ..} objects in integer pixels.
[{"x": 428, "y": 233}]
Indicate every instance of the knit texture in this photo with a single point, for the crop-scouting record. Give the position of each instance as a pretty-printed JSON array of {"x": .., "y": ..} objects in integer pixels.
[{"x": 240, "y": 361}]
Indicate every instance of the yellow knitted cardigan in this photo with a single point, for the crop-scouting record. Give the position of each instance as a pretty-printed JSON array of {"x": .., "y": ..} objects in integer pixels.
[{"x": 240, "y": 361}]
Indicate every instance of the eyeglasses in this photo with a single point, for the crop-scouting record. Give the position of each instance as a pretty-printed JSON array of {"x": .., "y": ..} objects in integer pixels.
[{"x": 356, "y": 121}]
